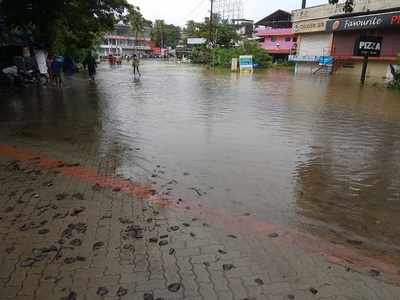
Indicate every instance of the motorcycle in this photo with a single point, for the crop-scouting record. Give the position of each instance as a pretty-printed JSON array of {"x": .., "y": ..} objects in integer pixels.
[{"x": 33, "y": 76}]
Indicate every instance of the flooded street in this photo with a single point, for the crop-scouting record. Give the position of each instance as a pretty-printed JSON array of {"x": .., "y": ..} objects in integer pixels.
[{"x": 315, "y": 153}]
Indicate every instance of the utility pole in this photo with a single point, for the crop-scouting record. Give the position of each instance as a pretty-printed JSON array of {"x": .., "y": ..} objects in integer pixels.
[
  {"x": 211, "y": 23},
  {"x": 162, "y": 34}
]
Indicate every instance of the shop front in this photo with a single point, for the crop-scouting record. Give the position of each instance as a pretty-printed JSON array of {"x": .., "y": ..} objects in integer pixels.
[
  {"x": 347, "y": 32},
  {"x": 313, "y": 45}
]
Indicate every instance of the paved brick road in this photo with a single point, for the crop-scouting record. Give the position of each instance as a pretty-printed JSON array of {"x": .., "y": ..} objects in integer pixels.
[{"x": 70, "y": 228}]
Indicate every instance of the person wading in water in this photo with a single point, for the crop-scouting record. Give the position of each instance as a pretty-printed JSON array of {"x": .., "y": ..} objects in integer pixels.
[
  {"x": 56, "y": 67},
  {"x": 91, "y": 64},
  {"x": 135, "y": 65}
]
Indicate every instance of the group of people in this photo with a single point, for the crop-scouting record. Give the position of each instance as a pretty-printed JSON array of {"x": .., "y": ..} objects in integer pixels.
[
  {"x": 57, "y": 64},
  {"x": 117, "y": 60},
  {"x": 54, "y": 68},
  {"x": 51, "y": 67}
]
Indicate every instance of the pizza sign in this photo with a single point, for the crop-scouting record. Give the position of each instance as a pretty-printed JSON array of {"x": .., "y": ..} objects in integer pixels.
[{"x": 368, "y": 46}]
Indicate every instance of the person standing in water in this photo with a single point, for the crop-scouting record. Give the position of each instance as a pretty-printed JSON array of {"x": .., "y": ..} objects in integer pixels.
[
  {"x": 91, "y": 64},
  {"x": 56, "y": 67},
  {"x": 135, "y": 65}
]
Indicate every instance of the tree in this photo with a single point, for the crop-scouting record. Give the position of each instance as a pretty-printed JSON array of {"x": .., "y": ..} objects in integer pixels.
[
  {"x": 348, "y": 5},
  {"x": 224, "y": 33},
  {"x": 136, "y": 20},
  {"x": 395, "y": 83},
  {"x": 62, "y": 25},
  {"x": 166, "y": 35},
  {"x": 191, "y": 29}
]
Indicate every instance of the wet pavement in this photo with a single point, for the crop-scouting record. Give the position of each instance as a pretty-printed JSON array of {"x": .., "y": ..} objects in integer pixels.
[{"x": 200, "y": 184}]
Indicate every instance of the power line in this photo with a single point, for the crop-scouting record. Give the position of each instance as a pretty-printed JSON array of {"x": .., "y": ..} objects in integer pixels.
[
  {"x": 228, "y": 10},
  {"x": 202, "y": 11},
  {"x": 197, "y": 7}
]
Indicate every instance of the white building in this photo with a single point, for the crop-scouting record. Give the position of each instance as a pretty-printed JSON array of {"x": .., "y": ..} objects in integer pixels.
[{"x": 124, "y": 42}]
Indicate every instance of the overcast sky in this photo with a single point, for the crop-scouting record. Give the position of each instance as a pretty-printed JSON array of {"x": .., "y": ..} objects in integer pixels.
[{"x": 179, "y": 11}]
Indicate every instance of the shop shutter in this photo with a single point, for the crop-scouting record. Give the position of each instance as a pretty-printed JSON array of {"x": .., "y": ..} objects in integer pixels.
[{"x": 316, "y": 44}]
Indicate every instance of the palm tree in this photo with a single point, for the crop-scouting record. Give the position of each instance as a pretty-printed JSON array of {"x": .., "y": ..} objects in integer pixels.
[{"x": 136, "y": 21}]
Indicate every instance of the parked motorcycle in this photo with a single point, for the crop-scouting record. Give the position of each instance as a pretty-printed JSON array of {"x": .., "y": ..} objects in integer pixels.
[
  {"x": 33, "y": 76},
  {"x": 19, "y": 77}
]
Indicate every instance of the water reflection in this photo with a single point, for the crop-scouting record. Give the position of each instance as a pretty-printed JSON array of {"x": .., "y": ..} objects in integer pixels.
[{"x": 307, "y": 151}]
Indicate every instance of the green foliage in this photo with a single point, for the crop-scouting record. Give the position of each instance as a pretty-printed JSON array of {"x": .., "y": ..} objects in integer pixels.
[
  {"x": 201, "y": 55},
  {"x": 395, "y": 83},
  {"x": 166, "y": 35},
  {"x": 348, "y": 5},
  {"x": 222, "y": 57},
  {"x": 261, "y": 56},
  {"x": 224, "y": 33},
  {"x": 63, "y": 26},
  {"x": 136, "y": 20}
]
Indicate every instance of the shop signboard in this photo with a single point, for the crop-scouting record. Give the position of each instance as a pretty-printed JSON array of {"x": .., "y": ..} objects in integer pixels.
[
  {"x": 196, "y": 41},
  {"x": 364, "y": 22},
  {"x": 246, "y": 63},
  {"x": 304, "y": 58},
  {"x": 309, "y": 26},
  {"x": 368, "y": 46}
]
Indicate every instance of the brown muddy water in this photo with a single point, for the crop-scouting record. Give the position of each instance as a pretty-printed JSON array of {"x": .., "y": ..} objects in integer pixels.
[{"x": 319, "y": 153}]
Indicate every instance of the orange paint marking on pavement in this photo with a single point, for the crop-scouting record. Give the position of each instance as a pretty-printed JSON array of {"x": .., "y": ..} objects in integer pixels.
[
  {"x": 339, "y": 254},
  {"x": 335, "y": 253},
  {"x": 81, "y": 173}
]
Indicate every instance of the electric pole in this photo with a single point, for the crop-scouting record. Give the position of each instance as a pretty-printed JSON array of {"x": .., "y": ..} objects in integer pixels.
[
  {"x": 162, "y": 34},
  {"x": 211, "y": 23}
]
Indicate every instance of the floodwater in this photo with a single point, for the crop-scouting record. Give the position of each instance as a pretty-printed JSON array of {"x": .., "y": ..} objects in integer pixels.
[{"x": 317, "y": 153}]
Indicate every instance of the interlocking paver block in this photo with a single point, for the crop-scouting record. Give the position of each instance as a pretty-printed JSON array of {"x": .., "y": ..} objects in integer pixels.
[{"x": 195, "y": 261}]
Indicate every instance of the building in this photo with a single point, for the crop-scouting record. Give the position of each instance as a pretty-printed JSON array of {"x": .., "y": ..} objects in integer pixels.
[
  {"x": 348, "y": 29},
  {"x": 320, "y": 48},
  {"x": 275, "y": 35},
  {"x": 122, "y": 41},
  {"x": 244, "y": 28},
  {"x": 313, "y": 41}
]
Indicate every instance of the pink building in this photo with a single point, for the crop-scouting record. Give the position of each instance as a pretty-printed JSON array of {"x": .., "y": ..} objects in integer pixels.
[{"x": 276, "y": 35}]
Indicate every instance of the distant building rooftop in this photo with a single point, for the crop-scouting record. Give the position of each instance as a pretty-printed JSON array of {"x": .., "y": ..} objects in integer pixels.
[{"x": 278, "y": 19}]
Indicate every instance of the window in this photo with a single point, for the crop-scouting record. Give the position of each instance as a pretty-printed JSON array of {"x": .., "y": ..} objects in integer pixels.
[
  {"x": 273, "y": 38},
  {"x": 287, "y": 39}
]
